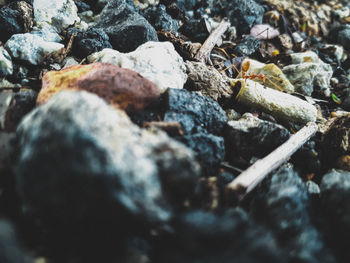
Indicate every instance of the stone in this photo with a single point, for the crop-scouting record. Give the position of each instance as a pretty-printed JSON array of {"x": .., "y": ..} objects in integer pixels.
[
  {"x": 6, "y": 67},
  {"x": 6, "y": 146},
  {"x": 126, "y": 29},
  {"x": 312, "y": 188},
  {"x": 196, "y": 29},
  {"x": 31, "y": 48},
  {"x": 247, "y": 47},
  {"x": 87, "y": 42},
  {"x": 26, "y": 12},
  {"x": 160, "y": 19},
  {"x": 341, "y": 35},
  {"x": 335, "y": 198},
  {"x": 57, "y": 13},
  {"x": 83, "y": 169},
  {"x": 308, "y": 71},
  {"x": 123, "y": 88},
  {"x": 156, "y": 61},
  {"x": 10, "y": 23},
  {"x": 343, "y": 163},
  {"x": 208, "y": 81},
  {"x": 249, "y": 136}
]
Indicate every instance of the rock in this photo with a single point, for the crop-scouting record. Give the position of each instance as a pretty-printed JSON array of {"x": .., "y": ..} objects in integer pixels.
[
  {"x": 346, "y": 100},
  {"x": 343, "y": 163},
  {"x": 250, "y": 136},
  {"x": 283, "y": 204},
  {"x": 196, "y": 29},
  {"x": 126, "y": 29},
  {"x": 26, "y": 12},
  {"x": 312, "y": 188},
  {"x": 6, "y": 84},
  {"x": 6, "y": 147},
  {"x": 123, "y": 88},
  {"x": 335, "y": 197},
  {"x": 85, "y": 171},
  {"x": 200, "y": 236},
  {"x": 57, "y": 13},
  {"x": 160, "y": 19},
  {"x": 156, "y": 61},
  {"x": 87, "y": 42},
  {"x": 82, "y": 6},
  {"x": 31, "y": 48},
  {"x": 308, "y": 71},
  {"x": 307, "y": 158},
  {"x": 10, "y": 23},
  {"x": 6, "y": 67},
  {"x": 47, "y": 34},
  {"x": 341, "y": 35},
  {"x": 247, "y": 47},
  {"x": 208, "y": 81}
]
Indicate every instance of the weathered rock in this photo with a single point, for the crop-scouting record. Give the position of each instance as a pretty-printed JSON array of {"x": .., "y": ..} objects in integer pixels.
[
  {"x": 26, "y": 12},
  {"x": 250, "y": 136},
  {"x": 196, "y": 29},
  {"x": 248, "y": 46},
  {"x": 57, "y": 13},
  {"x": 87, "y": 42},
  {"x": 335, "y": 196},
  {"x": 31, "y": 48},
  {"x": 341, "y": 35},
  {"x": 160, "y": 19},
  {"x": 126, "y": 29},
  {"x": 308, "y": 71},
  {"x": 283, "y": 204},
  {"x": 123, "y": 88},
  {"x": 156, "y": 61},
  {"x": 10, "y": 23},
  {"x": 6, "y": 67},
  {"x": 208, "y": 81},
  {"x": 307, "y": 158},
  {"x": 312, "y": 188},
  {"x": 343, "y": 163},
  {"x": 83, "y": 170}
]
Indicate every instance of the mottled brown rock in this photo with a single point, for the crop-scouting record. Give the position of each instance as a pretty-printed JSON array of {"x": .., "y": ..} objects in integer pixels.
[{"x": 123, "y": 88}]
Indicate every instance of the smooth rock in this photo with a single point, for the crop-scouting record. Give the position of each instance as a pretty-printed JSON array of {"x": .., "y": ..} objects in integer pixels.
[
  {"x": 10, "y": 23},
  {"x": 123, "y": 88},
  {"x": 57, "y": 13},
  {"x": 160, "y": 19},
  {"x": 6, "y": 67},
  {"x": 31, "y": 48},
  {"x": 84, "y": 170},
  {"x": 308, "y": 71},
  {"x": 249, "y": 136},
  {"x": 156, "y": 61},
  {"x": 87, "y": 42},
  {"x": 126, "y": 29}
]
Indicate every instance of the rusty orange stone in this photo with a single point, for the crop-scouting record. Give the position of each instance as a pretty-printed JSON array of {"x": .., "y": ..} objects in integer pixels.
[{"x": 122, "y": 88}]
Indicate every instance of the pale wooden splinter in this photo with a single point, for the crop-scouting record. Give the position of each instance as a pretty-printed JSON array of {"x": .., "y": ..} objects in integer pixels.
[
  {"x": 203, "y": 55},
  {"x": 250, "y": 178}
]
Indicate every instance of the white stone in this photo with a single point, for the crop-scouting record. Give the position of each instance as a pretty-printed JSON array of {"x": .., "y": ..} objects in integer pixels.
[
  {"x": 58, "y": 13},
  {"x": 31, "y": 48},
  {"x": 6, "y": 67},
  {"x": 156, "y": 61}
]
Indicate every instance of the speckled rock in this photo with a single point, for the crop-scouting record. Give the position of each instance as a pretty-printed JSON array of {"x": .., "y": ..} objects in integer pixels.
[
  {"x": 80, "y": 159},
  {"x": 247, "y": 47},
  {"x": 57, "y": 13},
  {"x": 10, "y": 23},
  {"x": 6, "y": 67},
  {"x": 156, "y": 61},
  {"x": 123, "y": 88},
  {"x": 126, "y": 29},
  {"x": 31, "y": 48},
  {"x": 308, "y": 71},
  {"x": 160, "y": 19}
]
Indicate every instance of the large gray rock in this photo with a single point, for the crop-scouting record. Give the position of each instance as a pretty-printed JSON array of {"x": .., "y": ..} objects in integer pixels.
[
  {"x": 126, "y": 29},
  {"x": 6, "y": 67}
]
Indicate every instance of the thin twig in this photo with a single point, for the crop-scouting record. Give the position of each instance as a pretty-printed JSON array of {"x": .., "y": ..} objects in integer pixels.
[
  {"x": 250, "y": 178},
  {"x": 203, "y": 55}
]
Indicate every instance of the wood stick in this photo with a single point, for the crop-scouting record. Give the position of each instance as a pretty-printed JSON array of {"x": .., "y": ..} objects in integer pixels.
[
  {"x": 203, "y": 55},
  {"x": 250, "y": 178}
]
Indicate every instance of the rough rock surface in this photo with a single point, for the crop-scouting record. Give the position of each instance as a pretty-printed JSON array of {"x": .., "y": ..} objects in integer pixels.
[
  {"x": 126, "y": 29},
  {"x": 6, "y": 67},
  {"x": 10, "y": 23},
  {"x": 156, "y": 61},
  {"x": 160, "y": 19}
]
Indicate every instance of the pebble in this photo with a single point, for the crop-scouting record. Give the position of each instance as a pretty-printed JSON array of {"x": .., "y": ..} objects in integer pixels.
[
  {"x": 248, "y": 46},
  {"x": 123, "y": 88},
  {"x": 6, "y": 67},
  {"x": 156, "y": 61},
  {"x": 308, "y": 71},
  {"x": 343, "y": 163},
  {"x": 87, "y": 42},
  {"x": 56, "y": 13},
  {"x": 160, "y": 19},
  {"x": 341, "y": 35},
  {"x": 335, "y": 197},
  {"x": 127, "y": 30},
  {"x": 197, "y": 30},
  {"x": 31, "y": 48},
  {"x": 10, "y": 23},
  {"x": 81, "y": 159}
]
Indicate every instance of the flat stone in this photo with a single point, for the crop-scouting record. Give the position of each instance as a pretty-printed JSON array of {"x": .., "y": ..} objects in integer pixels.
[
  {"x": 123, "y": 88},
  {"x": 156, "y": 61}
]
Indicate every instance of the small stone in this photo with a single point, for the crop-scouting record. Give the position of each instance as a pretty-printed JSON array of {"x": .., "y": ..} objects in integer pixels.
[
  {"x": 57, "y": 13},
  {"x": 87, "y": 42},
  {"x": 156, "y": 61},
  {"x": 343, "y": 163},
  {"x": 308, "y": 71},
  {"x": 126, "y": 29},
  {"x": 341, "y": 35},
  {"x": 27, "y": 15},
  {"x": 196, "y": 29},
  {"x": 6, "y": 67},
  {"x": 31, "y": 48},
  {"x": 250, "y": 136},
  {"x": 6, "y": 147},
  {"x": 160, "y": 19},
  {"x": 10, "y": 23},
  {"x": 312, "y": 188},
  {"x": 248, "y": 46},
  {"x": 123, "y": 88},
  {"x": 208, "y": 81}
]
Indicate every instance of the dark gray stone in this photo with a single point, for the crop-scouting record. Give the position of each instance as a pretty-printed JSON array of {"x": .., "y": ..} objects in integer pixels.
[
  {"x": 10, "y": 23},
  {"x": 126, "y": 29},
  {"x": 159, "y": 19},
  {"x": 195, "y": 29},
  {"x": 248, "y": 46}
]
